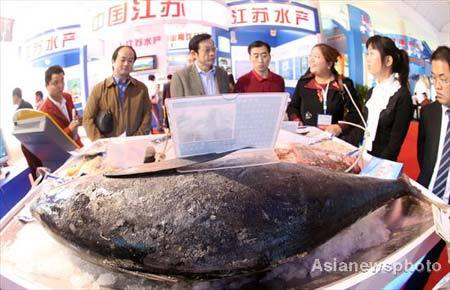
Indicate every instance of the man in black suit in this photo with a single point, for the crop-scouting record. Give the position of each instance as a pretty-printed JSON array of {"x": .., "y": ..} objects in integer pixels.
[
  {"x": 32, "y": 160},
  {"x": 433, "y": 125},
  {"x": 17, "y": 100},
  {"x": 166, "y": 95},
  {"x": 433, "y": 149}
]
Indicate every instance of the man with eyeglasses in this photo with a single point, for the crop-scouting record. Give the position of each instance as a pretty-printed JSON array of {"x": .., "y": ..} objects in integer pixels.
[
  {"x": 433, "y": 148},
  {"x": 434, "y": 128},
  {"x": 202, "y": 77}
]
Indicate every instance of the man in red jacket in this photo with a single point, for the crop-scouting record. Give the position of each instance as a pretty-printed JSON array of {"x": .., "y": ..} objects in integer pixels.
[
  {"x": 59, "y": 105},
  {"x": 260, "y": 79}
]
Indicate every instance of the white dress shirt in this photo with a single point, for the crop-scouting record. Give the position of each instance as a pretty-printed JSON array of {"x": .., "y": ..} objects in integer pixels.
[
  {"x": 444, "y": 124},
  {"x": 208, "y": 80},
  {"x": 152, "y": 87},
  {"x": 378, "y": 101},
  {"x": 61, "y": 106}
]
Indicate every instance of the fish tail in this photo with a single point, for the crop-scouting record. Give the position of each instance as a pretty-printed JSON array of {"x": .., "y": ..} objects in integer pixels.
[
  {"x": 412, "y": 190},
  {"x": 417, "y": 193},
  {"x": 408, "y": 187}
]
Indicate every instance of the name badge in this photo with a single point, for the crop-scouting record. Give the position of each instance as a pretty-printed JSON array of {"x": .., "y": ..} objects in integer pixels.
[{"x": 323, "y": 120}]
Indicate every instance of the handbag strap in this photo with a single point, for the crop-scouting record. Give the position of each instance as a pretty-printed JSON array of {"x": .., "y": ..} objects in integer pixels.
[
  {"x": 128, "y": 112},
  {"x": 128, "y": 108},
  {"x": 106, "y": 96}
]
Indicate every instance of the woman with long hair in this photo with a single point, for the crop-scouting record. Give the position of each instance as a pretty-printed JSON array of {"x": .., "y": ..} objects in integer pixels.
[
  {"x": 320, "y": 98},
  {"x": 389, "y": 107}
]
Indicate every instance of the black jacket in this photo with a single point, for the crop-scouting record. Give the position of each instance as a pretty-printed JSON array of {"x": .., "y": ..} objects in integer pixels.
[
  {"x": 393, "y": 124},
  {"x": 306, "y": 105},
  {"x": 428, "y": 142},
  {"x": 24, "y": 105}
]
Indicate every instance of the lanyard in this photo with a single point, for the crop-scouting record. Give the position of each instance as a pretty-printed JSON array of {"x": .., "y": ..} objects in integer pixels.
[{"x": 324, "y": 97}]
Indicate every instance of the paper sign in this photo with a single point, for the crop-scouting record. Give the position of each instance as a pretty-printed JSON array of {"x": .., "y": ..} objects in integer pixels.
[{"x": 323, "y": 120}]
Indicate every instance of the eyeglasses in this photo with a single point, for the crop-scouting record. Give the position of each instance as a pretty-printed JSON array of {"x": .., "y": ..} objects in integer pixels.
[
  {"x": 434, "y": 81},
  {"x": 209, "y": 50}
]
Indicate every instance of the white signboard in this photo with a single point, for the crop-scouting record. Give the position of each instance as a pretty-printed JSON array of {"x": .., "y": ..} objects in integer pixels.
[{"x": 215, "y": 124}]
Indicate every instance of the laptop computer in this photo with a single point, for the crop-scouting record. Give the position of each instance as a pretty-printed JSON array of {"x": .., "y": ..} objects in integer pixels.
[{"x": 214, "y": 124}]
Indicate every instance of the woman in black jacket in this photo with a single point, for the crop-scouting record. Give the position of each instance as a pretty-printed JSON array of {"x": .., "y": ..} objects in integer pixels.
[
  {"x": 389, "y": 107},
  {"x": 320, "y": 98}
]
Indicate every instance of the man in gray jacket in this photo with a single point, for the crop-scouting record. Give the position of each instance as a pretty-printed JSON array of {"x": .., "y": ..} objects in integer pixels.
[{"x": 202, "y": 77}]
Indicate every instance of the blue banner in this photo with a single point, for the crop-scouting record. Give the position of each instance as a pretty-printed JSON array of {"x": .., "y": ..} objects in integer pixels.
[{"x": 360, "y": 31}]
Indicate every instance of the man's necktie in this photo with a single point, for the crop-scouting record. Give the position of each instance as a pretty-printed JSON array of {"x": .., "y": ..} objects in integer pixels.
[{"x": 442, "y": 175}]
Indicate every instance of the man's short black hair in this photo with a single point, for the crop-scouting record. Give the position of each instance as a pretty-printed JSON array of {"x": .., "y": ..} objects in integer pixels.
[
  {"x": 116, "y": 52},
  {"x": 169, "y": 76},
  {"x": 54, "y": 69},
  {"x": 194, "y": 43},
  {"x": 39, "y": 93},
  {"x": 442, "y": 53},
  {"x": 258, "y": 43},
  {"x": 17, "y": 92},
  {"x": 151, "y": 77}
]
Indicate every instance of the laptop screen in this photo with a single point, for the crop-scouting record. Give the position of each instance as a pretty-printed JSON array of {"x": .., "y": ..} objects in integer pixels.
[{"x": 214, "y": 124}]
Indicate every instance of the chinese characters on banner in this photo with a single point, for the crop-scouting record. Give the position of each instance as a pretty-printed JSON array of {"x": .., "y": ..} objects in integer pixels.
[
  {"x": 255, "y": 13},
  {"x": 181, "y": 40},
  {"x": 135, "y": 10},
  {"x": 274, "y": 14},
  {"x": 413, "y": 46},
  {"x": 52, "y": 42},
  {"x": 141, "y": 42},
  {"x": 400, "y": 42}
]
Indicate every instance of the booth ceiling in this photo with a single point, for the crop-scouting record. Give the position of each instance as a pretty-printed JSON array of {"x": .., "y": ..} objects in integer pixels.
[
  {"x": 36, "y": 18},
  {"x": 436, "y": 12}
]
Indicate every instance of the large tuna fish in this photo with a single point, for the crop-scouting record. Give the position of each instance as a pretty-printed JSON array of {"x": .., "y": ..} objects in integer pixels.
[{"x": 209, "y": 224}]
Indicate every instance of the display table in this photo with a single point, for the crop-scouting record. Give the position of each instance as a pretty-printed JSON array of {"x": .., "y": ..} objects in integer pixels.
[
  {"x": 14, "y": 186},
  {"x": 33, "y": 259}
]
